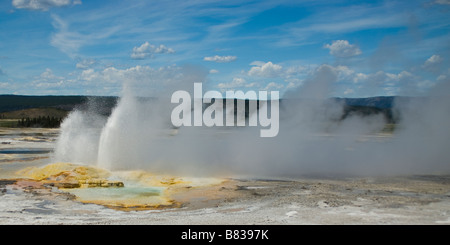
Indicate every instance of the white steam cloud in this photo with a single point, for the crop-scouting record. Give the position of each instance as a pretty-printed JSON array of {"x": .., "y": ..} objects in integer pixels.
[
  {"x": 43, "y": 5},
  {"x": 312, "y": 139},
  {"x": 220, "y": 59}
]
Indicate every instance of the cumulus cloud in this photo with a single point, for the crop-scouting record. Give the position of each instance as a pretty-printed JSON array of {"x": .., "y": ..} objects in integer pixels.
[
  {"x": 86, "y": 63},
  {"x": 381, "y": 82},
  {"x": 349, "y": 82},
  {"x": 433, "y": 63},
  {"x": 435, "y": 59},
  {"x": 296, "y": 70},
  {"x": 273, "y": 86},
  {"x": 4, "y": 85},
  {"x": 114, "y": 75},
  {"x": 317, "y": 86},
  {"x": 220, "y": 59},
  {"x": 237, "y": 82},
  {"x": 48, "y": 79},
  {"x": 349, "y": 91},
  {"x": 143, "y": 80},
  {"x": 43, "y": 5},
  {"x": 257, "y": 63},
  {"x": 265, "y": 69},
  {"x": 48, "y": 75},
  {"x": 343, "y": 49},
  {"x": 147, "y": 50}
]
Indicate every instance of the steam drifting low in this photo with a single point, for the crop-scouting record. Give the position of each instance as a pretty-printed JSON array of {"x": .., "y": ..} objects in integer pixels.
[{"x": 313, "y": 138}]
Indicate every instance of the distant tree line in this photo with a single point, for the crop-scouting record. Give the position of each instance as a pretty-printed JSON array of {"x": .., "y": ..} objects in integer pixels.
[{"x": 40, "y": 122}]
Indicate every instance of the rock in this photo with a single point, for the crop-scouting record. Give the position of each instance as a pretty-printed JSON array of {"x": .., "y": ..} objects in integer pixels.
[
  {"x": 67, "y": 185},
  {"x": 64, "y": 175},
  {"x": 114, "y": 184},
  {"x": 291, "y": 213},
  {"x": 169, "y": 181},
  {"x": 5, "y": 182},
  {"x": 89, "y": 183}
]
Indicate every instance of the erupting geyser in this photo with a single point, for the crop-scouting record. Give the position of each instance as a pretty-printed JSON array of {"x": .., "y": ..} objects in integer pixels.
[
  {"x": 117, "y": 131},
  {"x": 312, "y": 137}
]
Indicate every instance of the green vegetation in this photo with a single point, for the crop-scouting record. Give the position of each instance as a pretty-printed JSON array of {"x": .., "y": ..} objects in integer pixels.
[
  {"x": 20, "y": 102},
  {"x": 34, "y": 113},
  {"x": 8, "y": 123},
  {"x": 367, "y": 111},
  {"x": 10, "y": 103},
  {"x": 35, "y": 118},
  {"x": 47, "y": 111},
  {"x": 40, "y": 122}
]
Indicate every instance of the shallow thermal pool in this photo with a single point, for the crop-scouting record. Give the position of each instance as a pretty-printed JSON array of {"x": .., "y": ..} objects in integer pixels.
[{"x": 131, "y": 195}]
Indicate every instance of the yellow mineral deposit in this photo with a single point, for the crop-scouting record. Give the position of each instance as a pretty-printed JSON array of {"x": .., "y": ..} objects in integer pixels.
[
  {"x": 79, "y": 172},
  {"x": 67, "y": 175},
  {"x": 159, "y": 180},
  {"x": 124, "y": 190}
]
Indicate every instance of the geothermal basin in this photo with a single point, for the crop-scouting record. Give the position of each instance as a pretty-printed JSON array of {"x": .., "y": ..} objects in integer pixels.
[{"x": 34, "y": 190}]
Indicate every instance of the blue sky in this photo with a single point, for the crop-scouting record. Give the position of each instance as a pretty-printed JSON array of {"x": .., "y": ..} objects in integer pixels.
[{"x": 66, "y": 47}]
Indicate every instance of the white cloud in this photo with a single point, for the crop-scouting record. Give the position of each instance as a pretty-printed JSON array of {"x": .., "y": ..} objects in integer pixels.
[
  {"x": 43, "y": 5},
  {"x": 433, "y": 63},
  {"x": 377, "y": 79},
  {"x": 349, "y": 82},
  {"x": 144, "y": 80},
  {"x": 266, "y": 70},
  {"x": 88, "y": 75},
  {"x": 359, "y": 77},
  {"x": 67, "y": 41},
  {"x": 111, "y": 74},
  {"x": 55, "y": 84},
  {"x": 147, "y": 50},
  {"x": 48, "y": 75},
  {"x": 425, "y": 85},
  {"x": 257, "y": 63},
  {"x": 237, "y": 82},
  {"x": 344, "y": 72},
  {"x": 9, "y": 86},
  {"x": 349, "y": 91},
  {"x": 220, "y": 59},
  {"x": 296, "y": 70},
  {"x": 444, "y": 76},
  {"x": 86, "y": 63},
  {"x": 374, "y": 84},
  {"x": 213, "y": 71},
  {"x": 441, "y": 78},
  {"x": 342, "y": 20},
  {"x": 48, "y": 79},
  {"x": 4, "y": 85},
  {"x": 435, "y": 59},
  {"x": 273, "y": 86},
  {"x": 291, "y": 85},
  {"x": 72, "y": 32},
  {"x": 343, "y": 49}
]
